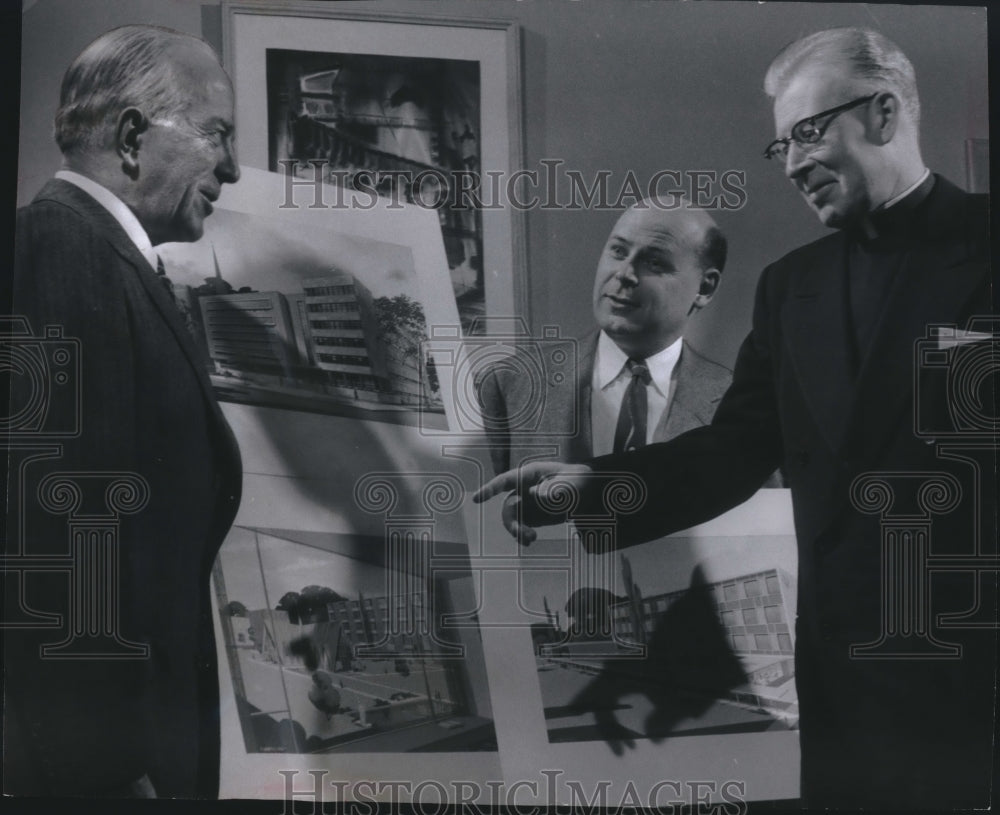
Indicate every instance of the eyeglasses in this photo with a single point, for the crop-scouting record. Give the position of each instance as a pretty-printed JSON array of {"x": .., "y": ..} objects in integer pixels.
[{"x": 806, "y": 132}]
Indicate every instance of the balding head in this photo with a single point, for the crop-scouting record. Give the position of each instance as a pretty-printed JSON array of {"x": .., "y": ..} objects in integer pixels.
[{"x": 661, "y": 263}]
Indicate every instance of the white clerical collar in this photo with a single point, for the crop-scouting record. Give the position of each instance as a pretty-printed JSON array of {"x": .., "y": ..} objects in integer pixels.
[
  {"x": 896, "y": 199},
  {"x": 610, "y": 363},
  {"x": 119, "y": 211}
]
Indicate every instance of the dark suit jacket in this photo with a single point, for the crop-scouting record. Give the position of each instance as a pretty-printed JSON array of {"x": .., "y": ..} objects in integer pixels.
[
  {"x": 544, "y": 400},
  {"x": 79, "y": 726},
  {"x": 903, "y": 733}
]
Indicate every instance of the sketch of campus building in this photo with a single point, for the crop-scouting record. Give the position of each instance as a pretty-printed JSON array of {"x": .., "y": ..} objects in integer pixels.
[
  {"x": 318, "y": 671},
  {"x": 327, "y": 346},
  {"x": 715, "y": 657}
]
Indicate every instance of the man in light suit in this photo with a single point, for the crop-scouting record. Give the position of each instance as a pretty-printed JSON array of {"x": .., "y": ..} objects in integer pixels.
[
  {"x": 145, "y": 125},
  {"x": 660, "y": 265},
  {"x": 895, "y": 712}
]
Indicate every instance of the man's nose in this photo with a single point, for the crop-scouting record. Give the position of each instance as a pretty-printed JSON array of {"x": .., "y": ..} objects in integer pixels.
[
  {"x": 797, "y": 161},
  {"x": 228, "y": 169},
  {"x": 625, "y": 273}
]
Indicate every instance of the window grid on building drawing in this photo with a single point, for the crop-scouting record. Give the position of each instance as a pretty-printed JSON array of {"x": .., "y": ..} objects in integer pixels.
[
  {"x": 344, "y": 306},
  {"x": 329, "y": 291},
  {"x": 751, "y": 609}
]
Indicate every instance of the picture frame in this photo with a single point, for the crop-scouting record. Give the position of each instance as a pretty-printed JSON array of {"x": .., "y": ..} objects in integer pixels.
[
  {"x": 487, "y": 286},
  {"x": 977, "y": 165}
]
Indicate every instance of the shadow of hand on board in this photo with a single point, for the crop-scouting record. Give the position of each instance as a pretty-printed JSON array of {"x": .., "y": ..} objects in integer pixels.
[{"x": 688, "y": 668}]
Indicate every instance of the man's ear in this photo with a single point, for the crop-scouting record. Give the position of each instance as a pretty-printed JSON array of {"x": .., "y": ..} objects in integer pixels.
[
  {"x": 886, "y": 117},
  {"x": 709, "y": 286},
  {"x": 132, "y": 124}
]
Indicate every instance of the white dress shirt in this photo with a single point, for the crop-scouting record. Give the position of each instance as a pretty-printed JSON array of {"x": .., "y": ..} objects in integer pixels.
[
  {"x": 119, "y": 211},
  {"x": 610, "y": 380}
]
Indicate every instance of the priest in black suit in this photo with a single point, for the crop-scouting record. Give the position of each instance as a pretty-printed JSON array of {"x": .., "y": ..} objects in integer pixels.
[
  {"x": 896, "y": 710},
  {"x": 145, "y": 125}
]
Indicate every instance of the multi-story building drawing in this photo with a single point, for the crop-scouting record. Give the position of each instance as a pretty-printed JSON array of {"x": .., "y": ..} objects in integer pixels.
[
  {"x": 342, "y": 335},
  {"x": 330, "y": 338},
  {"x": 341, "y": 332},
  {"x": 753, "y": 610},
  {"x": 756, "y": 612},
  {"x": 300, "y": 328},
  {"x": 250, "y": 332},
  {"x": 371, "y": 620}
]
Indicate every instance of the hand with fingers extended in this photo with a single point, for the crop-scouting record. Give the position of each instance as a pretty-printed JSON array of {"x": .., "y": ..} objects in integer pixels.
[{"x": 534, "y": 495}]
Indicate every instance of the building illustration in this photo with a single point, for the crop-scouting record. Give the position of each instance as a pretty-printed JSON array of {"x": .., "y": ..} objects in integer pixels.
[
  {"x": 713, "y": 656},
  {"x": 303, "y": 688},
  {"x": 323, "y": 346},
  {"x": 250, "y": 332}
]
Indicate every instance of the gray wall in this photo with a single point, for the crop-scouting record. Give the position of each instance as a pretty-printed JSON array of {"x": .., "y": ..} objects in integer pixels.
[{"x": 613, "y": 85}]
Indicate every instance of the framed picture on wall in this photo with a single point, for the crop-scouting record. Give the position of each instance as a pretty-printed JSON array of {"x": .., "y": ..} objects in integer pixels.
[
  {"x": 977, "y": 165},
  {"x": 417, "y": 109}
]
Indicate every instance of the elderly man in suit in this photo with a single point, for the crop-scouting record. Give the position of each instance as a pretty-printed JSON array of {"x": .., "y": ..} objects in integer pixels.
[
  {"x": 145, "y": 126},
  {"x": 636, "y": 379},
  {"x": 892, "y": 713}
]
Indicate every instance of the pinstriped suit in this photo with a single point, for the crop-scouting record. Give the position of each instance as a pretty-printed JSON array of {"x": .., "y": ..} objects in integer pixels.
[{"x": 147, "y": 407}]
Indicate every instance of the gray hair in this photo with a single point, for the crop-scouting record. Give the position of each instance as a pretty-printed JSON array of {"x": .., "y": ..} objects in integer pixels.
[
  {"x": 125, "y": 67},
  {"x": 872, "y": 58}
]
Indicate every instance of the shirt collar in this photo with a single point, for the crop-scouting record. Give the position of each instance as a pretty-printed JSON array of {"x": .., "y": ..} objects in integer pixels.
[
  {"x": 896, "y": 218},
  {"x": 896, "y": 199},
  {"x": 119, "y": 211},
  {"x": 610, "y": 363}
]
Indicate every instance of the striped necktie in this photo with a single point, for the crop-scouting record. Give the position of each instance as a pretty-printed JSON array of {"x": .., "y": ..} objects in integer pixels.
[
  {"x": 630, "y": 432},
  {"x": 161, "y": 272}
]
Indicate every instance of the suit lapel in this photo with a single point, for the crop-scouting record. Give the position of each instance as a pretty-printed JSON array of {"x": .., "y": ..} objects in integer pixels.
[
  {"x": 172, "y": 317},
  {"x": 935, "y": 281},
  {"x": 72, "y": 196},
  {"x": 694, "y": 399},
  {"x": 816, "y": 333},
  {"x": 580, "y": 446}
]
